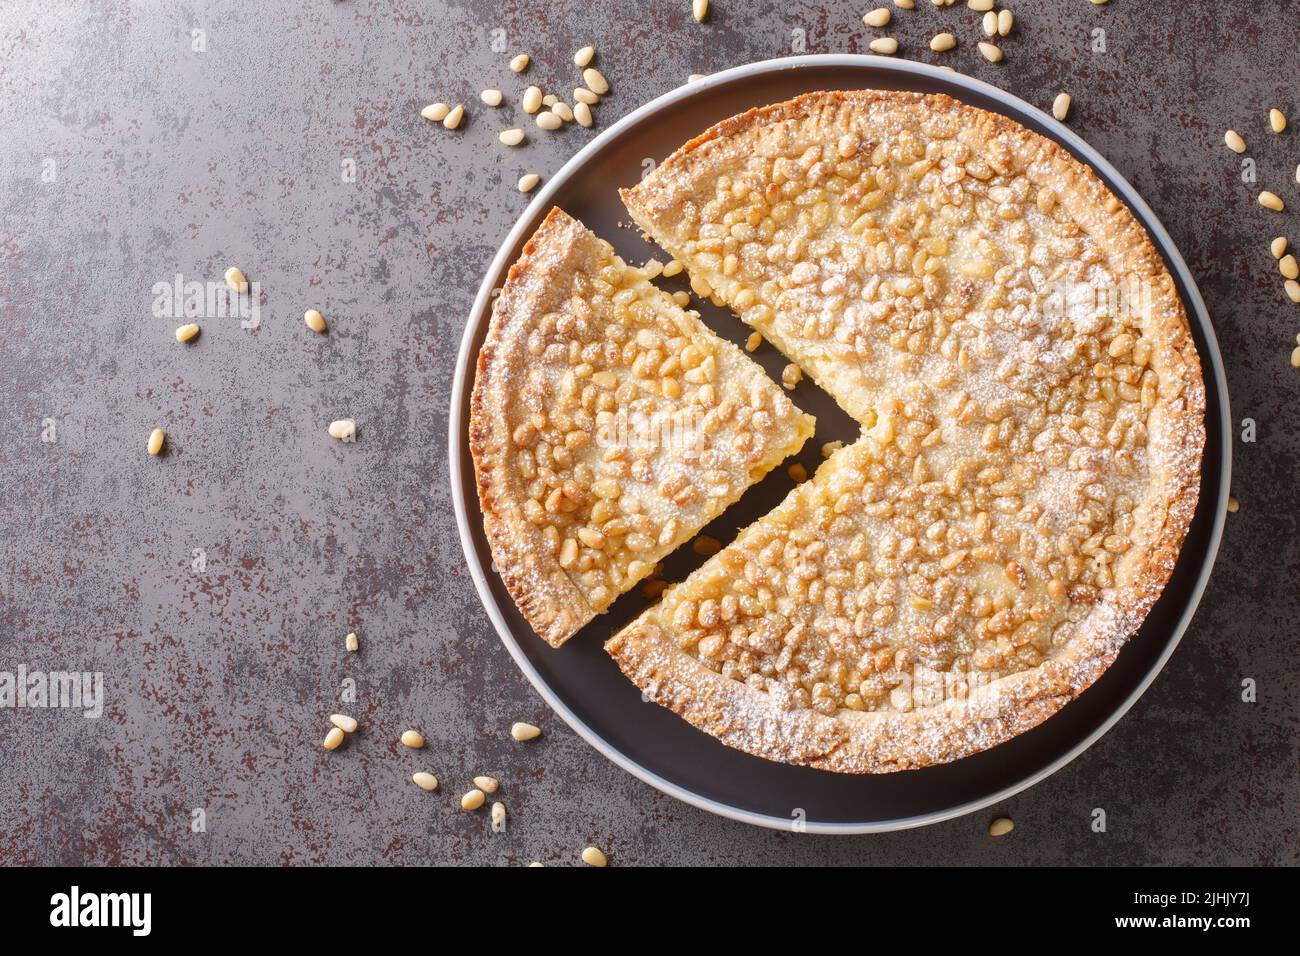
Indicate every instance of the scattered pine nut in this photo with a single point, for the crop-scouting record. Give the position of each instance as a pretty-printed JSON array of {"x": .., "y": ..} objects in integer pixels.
[
  {"x": 706, "y": 546},
  {"x": 472, "y": 800},
  {"x": 878, "y": 17},
  {"x": 1292, "y": 290},
  {"x": 753, "y": 342},
  {"x": 521, "y": 731},
  {"x": 942, "y": 42},
  {"x": 562, "y": 110},
  {"x": 413, "y": 739},
  {"x": 549, "y": 100},
  {"x": 1271, "y": 201},
  {"x": 696, "y": 77},
  {"x": 156, "y": 438},
  {"x": 1295, "y": 357},
  {"x": 519, "y": 63},
  {"x": 1297, "y": 173},
  {"x": 498, "y": 815},
  {"x": 831, "y": 447},
  {"x": 582, "y": 113},
  {"x": 583, "y": 95},
  {"x": 1289, "y": 268},
  {"x": 187, "y": 332},
  {"x": 549, "y": 121},
  {"x": 990, "y": 24},
  {"x": 351, "y": 644},
  {"x": 531, "y": 101},
  {"x": 797, "y": 472},
  {"x": 904, "y": 4},
  {"x": 595, "y": 81},
  {"x": 528, "y": 182},
  {"x": 236, "y": 280},
  {"x": 537, "y": 863},
  {"x": 887, "y": 46},
  {"x": 593, "y": 857},
  {"x": 333, "y": 739},
  {"x": 435, "y": 112},
  {"x": 683, "y": 299},
  {"x": 453, "y": 118},
  {"x": 1100, "y": 3},
  {"x": 1233, "y": 505},
  {"x": 699, "y": 10},
  {"x": 991, "y": 51},
  {"x": 511, "y": 137},
  {"x": 344, "y": 723},
  {"x": 1278, "y": 247},
  {"x": 425, "y": 781},
  {"x": 487, "y": 784},
  {"x": 584, "y": 56},
  {"x": 1006, "y": 21},
  {"x": 980, "y": 6},
  {"x": 1232, "y": 139},
  {"x": 491, "y": 97},
  {"x": 315, "y": 321},
  {"x": 344, "y": 429},
  {"x": 791, "y": 376},
  {"x": 1003, "y": 825},
  {"x": 1277, "y": 120},
  {"x": 1061, "y": 106}
]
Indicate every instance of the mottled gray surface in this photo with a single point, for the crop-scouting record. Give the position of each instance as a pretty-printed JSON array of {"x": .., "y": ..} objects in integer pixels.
[{"x": 127, "y": 156}]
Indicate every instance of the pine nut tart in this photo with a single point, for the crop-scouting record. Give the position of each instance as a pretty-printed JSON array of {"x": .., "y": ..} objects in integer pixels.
[
  {"x": 607, "y": 426},
  {"x": 1032, "y": 415}
]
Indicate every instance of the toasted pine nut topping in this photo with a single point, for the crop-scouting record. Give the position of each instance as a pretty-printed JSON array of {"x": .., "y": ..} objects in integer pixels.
[
  {"x": 521, "y": 731},
  {"x": 831, "y": 447},
  {"x": 593, "y": 857},
  {"x": 699, "y": 10},
  {"x": 156, "y": 438},
  {"x": 1061, "y": 106},
  {"x": 333, "y": 739},
  {"x": 791, "y": 375},
  {"x": 344, "y": 723},
  {"x": 425, "y": 781},
  {"x": 1278, "y": 247},
  {"x": 584, "y": 56},
  {"x": 413, "y": 739},
  {"x": 595, "y": 81},
  {"x": 582, "y": 113},
  {"x": 887, "y": 46},
  {"x": 1232, "y": 139},
  {"x": 472, "y": 800},
  {"x": 351, "y": 643},
  {"x": 491, "y": 97},
  {"x": 511, "y": 137},
  {"x": 186, "y": 332},
  {"x": 528, "y": 182},
  {"x": 943, "y": 42},
  {"x": 991, "y": 51},
  {"x": 878, "y": 17},
  {"x": 1277, "y": 120},
  {"x": 453, "y": 118},
  {"x": 519, "y": 63},
  {"x": 343, "y": 429},
  {"x": 487, "y": 784},
  {"x": 1003, "y": 825},
  {"x": 671, "y": 268},
  {"x": 1271, "y": 201},
  {"x": 753, "y": 342},
  {"x": 435, "y": 112},
  {"x": 236, "y": 280},
  {"x": 315, "y": 321},
  {"x": 706, "y": 546}
]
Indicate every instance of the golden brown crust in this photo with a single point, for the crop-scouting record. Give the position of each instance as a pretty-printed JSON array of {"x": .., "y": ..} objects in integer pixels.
[{"x": 768, "y": 723}]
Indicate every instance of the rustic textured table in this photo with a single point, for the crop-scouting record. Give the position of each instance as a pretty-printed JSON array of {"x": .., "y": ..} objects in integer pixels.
[{"x": 146, "y": 145}]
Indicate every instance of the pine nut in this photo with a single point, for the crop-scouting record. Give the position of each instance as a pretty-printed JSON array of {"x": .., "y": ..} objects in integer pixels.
[
  {"x": 831, "y": 447},
  {"x": 699, "y": 10},
  {"x": 1277, "y": 120},
  {"x": 1006, "y": 21},
  {"x": 452, "y": 120},
  {"x": 498, "y": 815},
  {"x": 753, "y": 342},
  {"x": 549, "y": 121},
  {"x": 1278, "y": 247},
  {"x": 595, "y": 81},
  {"x": 990, "y": 24},
  {"x": 344, "y": 723},
  {"x": 1292, "y": 290},
  {"x": 563, "y": 111},
  {"x": 905, "y": 4},
  {"x": 706, "y": 546},
  {"x": 351, "y": 644},
  {"x": 528, "y": 182},
  {"x": 1003, "y": 825},
  {"x": 1271, "y": 201},
  {"x": 549, "y": 100},
  {"x": 333, "y": 739},
  {"x": 413, "y": 739},
  {"x": 584, "y": 95},
  {"x": 487, "y": 784},
  {"x": 1297, "y": 173},
  {"x": 1100, "y": 3},
  {"x": 531, "y": 101},
  {"x": 472, "y": 800},
  {"x": 1061, "y": 106},
  {"x": 435, "y": 112},
  {"x": 519, "y": 63},
  {"x": 1295, "y": 357},
  {"x": 942, "y": 42},
  {"x": 878, "y": 17},
  {"x": 521, "y": 731},
  {"x": 887, "y": 46},
  {"x": 593, "y": 857},
  {"x": 797, "y": 472},
  {"x": 1233, "y": 505},
  {"x": 186, "y": 332},
  {"x": 583, "y": 56},
  {"x": 992, "y": 52},
  {"x": 1232, "y": 139},
  {"x": 491, "y": 97},
  {"x": 236, "y": 280},
  {"x": 980, "y": 6},
  {"x": 1289, "y": 268},
  {"x": 791, "y": 376},
  {"x": 343, "y": 429},
  {"x": 537, "y": 863},
  {"x": 425, "y": 781},
  {"x": 511, "y": 137},
  {"x": 315, "y": 321},
  {"x": 582, "y": 113},
  {"x": 671, "y": 268},
  {"x": 156, "y": 438},
  {"x": 696, "y": 77}
]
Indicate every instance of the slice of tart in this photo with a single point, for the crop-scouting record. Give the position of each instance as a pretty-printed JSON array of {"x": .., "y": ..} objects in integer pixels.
[
  {"x": 1032, "y": 407},
  {"x": 607, "y": 427}
]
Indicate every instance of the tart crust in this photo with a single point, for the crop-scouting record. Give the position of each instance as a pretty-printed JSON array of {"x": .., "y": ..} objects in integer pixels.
[{"x": 774, "y": 722}]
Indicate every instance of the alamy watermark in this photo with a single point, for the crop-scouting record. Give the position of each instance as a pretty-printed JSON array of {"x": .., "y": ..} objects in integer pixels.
[
  {"x": 63, "y": 690},
  {"x": 179, "y": 299}
]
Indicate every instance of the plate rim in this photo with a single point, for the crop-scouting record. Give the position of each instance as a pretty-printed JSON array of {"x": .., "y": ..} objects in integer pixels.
[{"x": 465, "y": 362}]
